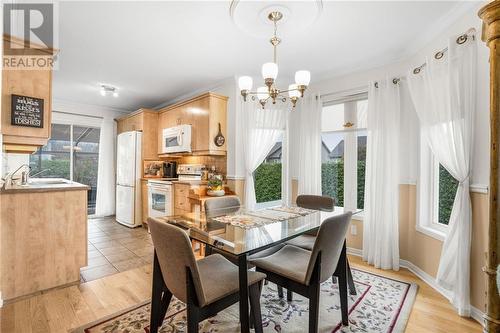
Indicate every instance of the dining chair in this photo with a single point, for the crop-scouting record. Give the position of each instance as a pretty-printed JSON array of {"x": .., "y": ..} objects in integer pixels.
[
  {"x": 303, "y": 271},
  {"x": 226, "y": 205},
  {"x": 306, "y": 241},
  {"x": 207, "y": 286}
]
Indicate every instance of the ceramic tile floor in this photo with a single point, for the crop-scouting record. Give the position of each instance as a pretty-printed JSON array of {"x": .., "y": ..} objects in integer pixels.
[{"x": 114, "y": 248}]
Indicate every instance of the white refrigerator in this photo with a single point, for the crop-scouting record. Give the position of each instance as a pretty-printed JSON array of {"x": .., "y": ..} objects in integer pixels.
[{"x": 128, "y": 179}]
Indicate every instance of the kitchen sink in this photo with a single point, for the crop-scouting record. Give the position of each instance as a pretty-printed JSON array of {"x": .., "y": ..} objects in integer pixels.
[{"x": 47, "y": 181}]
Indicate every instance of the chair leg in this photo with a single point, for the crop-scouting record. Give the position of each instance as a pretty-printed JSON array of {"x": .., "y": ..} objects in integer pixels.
[
  {"x": 289, "y": 295},
  {"x": 280, "y": 291},
  {"x": 256, "y": 316},
  {"x": 342, "y": 277},
  {"x": 314, "y": 308},
  {"x": 350, "y": 280},
  {"x": 165, "y": 302},
  {"x": 159, "y": 304},
  {"x": 193, "y": 317}
]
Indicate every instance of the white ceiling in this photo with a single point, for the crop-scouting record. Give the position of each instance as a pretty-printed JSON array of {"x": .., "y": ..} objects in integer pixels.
[{"x": 156, "y": 51}]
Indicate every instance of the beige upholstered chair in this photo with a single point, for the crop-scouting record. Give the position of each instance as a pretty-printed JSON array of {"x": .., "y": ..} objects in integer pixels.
[
  {"x": 222, "y": 205},
  {"x": 306, "y": 241},
  {"x": 303, "y": 271},
  {"x": 207, "y": 286}
]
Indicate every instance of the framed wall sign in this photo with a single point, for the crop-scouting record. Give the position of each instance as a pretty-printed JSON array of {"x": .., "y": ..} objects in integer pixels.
[{"x": 26, "y": 111}]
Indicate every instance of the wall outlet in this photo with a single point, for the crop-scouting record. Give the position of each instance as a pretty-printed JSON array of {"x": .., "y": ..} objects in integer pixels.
[{"x": 354, "y": 230}]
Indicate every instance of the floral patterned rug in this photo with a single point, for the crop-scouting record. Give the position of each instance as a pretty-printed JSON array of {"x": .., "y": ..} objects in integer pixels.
[{"x": 381, "y": 305}]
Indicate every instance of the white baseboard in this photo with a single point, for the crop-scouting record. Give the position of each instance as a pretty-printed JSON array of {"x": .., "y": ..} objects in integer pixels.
[{"x": 476, "y": 314}]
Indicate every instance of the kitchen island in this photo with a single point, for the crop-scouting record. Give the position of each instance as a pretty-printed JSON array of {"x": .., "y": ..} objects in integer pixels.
[{"x": 43, "y": 236}]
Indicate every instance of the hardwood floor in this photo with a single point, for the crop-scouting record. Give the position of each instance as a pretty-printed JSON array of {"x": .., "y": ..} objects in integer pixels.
[{"x": 63, "y": 309}]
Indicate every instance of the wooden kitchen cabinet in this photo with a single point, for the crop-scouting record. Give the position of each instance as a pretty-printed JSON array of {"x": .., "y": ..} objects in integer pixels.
[
  {"x": 204, "y": 113},
  {"x": 31, "y": 83},
  {"x": 181, "y": 199},
  {"x": 144, "y": 120}
]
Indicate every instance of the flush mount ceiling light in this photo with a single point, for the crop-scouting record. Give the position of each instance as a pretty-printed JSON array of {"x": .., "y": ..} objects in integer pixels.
[
  {"x": 108, "y": 90},
  {"x": 270, "y": 73}
]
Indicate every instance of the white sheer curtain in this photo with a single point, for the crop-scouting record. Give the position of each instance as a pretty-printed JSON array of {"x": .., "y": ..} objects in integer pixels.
[
  {"x": 261, "y": 128},
  {"x": 105, "y": 198},
  {"x": 444, "y": 97},
  {"x": 309, "y": 172},
  {"x": 381, "y": 217}
]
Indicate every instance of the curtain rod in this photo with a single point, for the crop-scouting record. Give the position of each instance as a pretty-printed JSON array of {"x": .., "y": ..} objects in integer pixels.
[
  {"x": 78, "y": 114},
  {"x": 460, "y": 40}
]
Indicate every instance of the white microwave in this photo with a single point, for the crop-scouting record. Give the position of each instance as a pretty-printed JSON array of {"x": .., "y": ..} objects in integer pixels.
[{"x": 177, "y": 139}]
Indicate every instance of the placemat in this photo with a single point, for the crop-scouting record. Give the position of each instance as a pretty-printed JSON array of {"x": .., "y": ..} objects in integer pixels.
[
  {"x": 244, "y": 221},
  {"x": 294, "y": 210}
]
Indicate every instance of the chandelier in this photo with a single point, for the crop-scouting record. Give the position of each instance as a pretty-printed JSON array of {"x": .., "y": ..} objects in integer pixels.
[{"x": 270, "y": 72}]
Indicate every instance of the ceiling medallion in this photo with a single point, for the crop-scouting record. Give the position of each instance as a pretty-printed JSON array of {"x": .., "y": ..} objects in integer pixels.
[{"x": 270, "y": 72}]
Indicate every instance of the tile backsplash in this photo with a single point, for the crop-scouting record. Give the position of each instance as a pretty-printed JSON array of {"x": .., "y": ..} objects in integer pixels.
[{"x": 220, "y": 162}]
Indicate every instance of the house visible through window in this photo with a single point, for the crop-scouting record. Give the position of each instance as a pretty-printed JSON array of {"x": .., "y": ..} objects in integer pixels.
[
  {"x": 343, "y": 151},
  {"x": 71, "y": 153}
]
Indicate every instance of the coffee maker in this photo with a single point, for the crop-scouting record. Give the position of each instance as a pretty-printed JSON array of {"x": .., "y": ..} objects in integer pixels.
[{"x": 170, "y": 169}]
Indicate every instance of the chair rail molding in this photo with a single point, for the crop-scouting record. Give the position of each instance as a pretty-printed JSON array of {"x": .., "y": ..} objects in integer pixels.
[{"x": 490, "y": 14}]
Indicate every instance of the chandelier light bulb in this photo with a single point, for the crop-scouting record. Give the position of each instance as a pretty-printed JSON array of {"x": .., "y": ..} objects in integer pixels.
[
  {"x": 293, "y": 91},
  {"x": 245, "y": 83},
  {"x": 103, "y": 92},
  {"x": 270, "y": 70},
  {"x": 115, "y": 94},
  {"x": 302, "y": 78},
  {"x": 262, "y": 93}
]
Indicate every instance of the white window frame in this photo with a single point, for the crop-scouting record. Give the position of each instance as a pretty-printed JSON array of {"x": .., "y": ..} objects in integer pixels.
[
  {"x": 350, "y": 155},
  {"x": 428, "y": 195}
]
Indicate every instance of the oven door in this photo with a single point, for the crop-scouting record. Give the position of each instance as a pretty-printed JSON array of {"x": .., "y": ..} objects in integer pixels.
[{"x": 159, "y": 201}]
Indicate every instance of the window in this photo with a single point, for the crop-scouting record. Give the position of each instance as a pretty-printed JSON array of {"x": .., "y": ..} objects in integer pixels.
[
  {"x": 71, "y": 153},
  {"x": 448, "y": 187},
  {"x": 436, "y": 194},
  {"x": 268, "y": 177},
  {"x": 343, "y": 151}
]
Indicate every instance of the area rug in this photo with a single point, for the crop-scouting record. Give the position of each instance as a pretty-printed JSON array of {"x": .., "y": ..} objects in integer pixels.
[{"x": 381, "y": 305}]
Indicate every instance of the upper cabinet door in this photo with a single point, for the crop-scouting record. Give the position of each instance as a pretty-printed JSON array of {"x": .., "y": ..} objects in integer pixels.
[{"x": 204, "y": 113}]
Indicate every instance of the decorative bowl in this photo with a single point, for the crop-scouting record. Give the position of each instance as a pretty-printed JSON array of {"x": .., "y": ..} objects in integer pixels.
[{"x": 218, "y": 193}]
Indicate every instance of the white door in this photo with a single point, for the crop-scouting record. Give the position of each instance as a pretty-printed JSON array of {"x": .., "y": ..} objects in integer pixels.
[
  {"x": 125, "y": 205},
  {"x": 126, "y": 159}
]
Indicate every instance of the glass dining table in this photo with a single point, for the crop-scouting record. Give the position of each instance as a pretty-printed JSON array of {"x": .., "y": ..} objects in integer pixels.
[{"x": 238, "y": 233}]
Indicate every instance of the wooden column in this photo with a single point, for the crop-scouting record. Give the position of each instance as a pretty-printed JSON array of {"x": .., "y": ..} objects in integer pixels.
[{"x": 490, "y": 14}]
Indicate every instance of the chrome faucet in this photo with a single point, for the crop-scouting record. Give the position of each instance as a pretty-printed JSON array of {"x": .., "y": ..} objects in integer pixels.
[
  {"x": 37, "y": 173},
  {"x": 9, "y": 179}
]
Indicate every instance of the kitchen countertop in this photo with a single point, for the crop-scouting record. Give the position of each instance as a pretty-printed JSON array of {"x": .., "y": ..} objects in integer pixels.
[{"x": 58, "y": 184}]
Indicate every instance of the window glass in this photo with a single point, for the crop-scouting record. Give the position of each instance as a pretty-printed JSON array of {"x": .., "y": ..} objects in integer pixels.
[
  {"x": 75, "y": 160},
  {"x": 53, "y": 159},
  {"x": 343, "y": 153},
  {"x": 267, "y": 177},
  {"x": 85, "y": 160},
  {"x": 332, "y": 118},
  {"x": 447, "y": 190},
  {"x": 362, "y": 138},
  {"x": 332, "y": 166}
]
